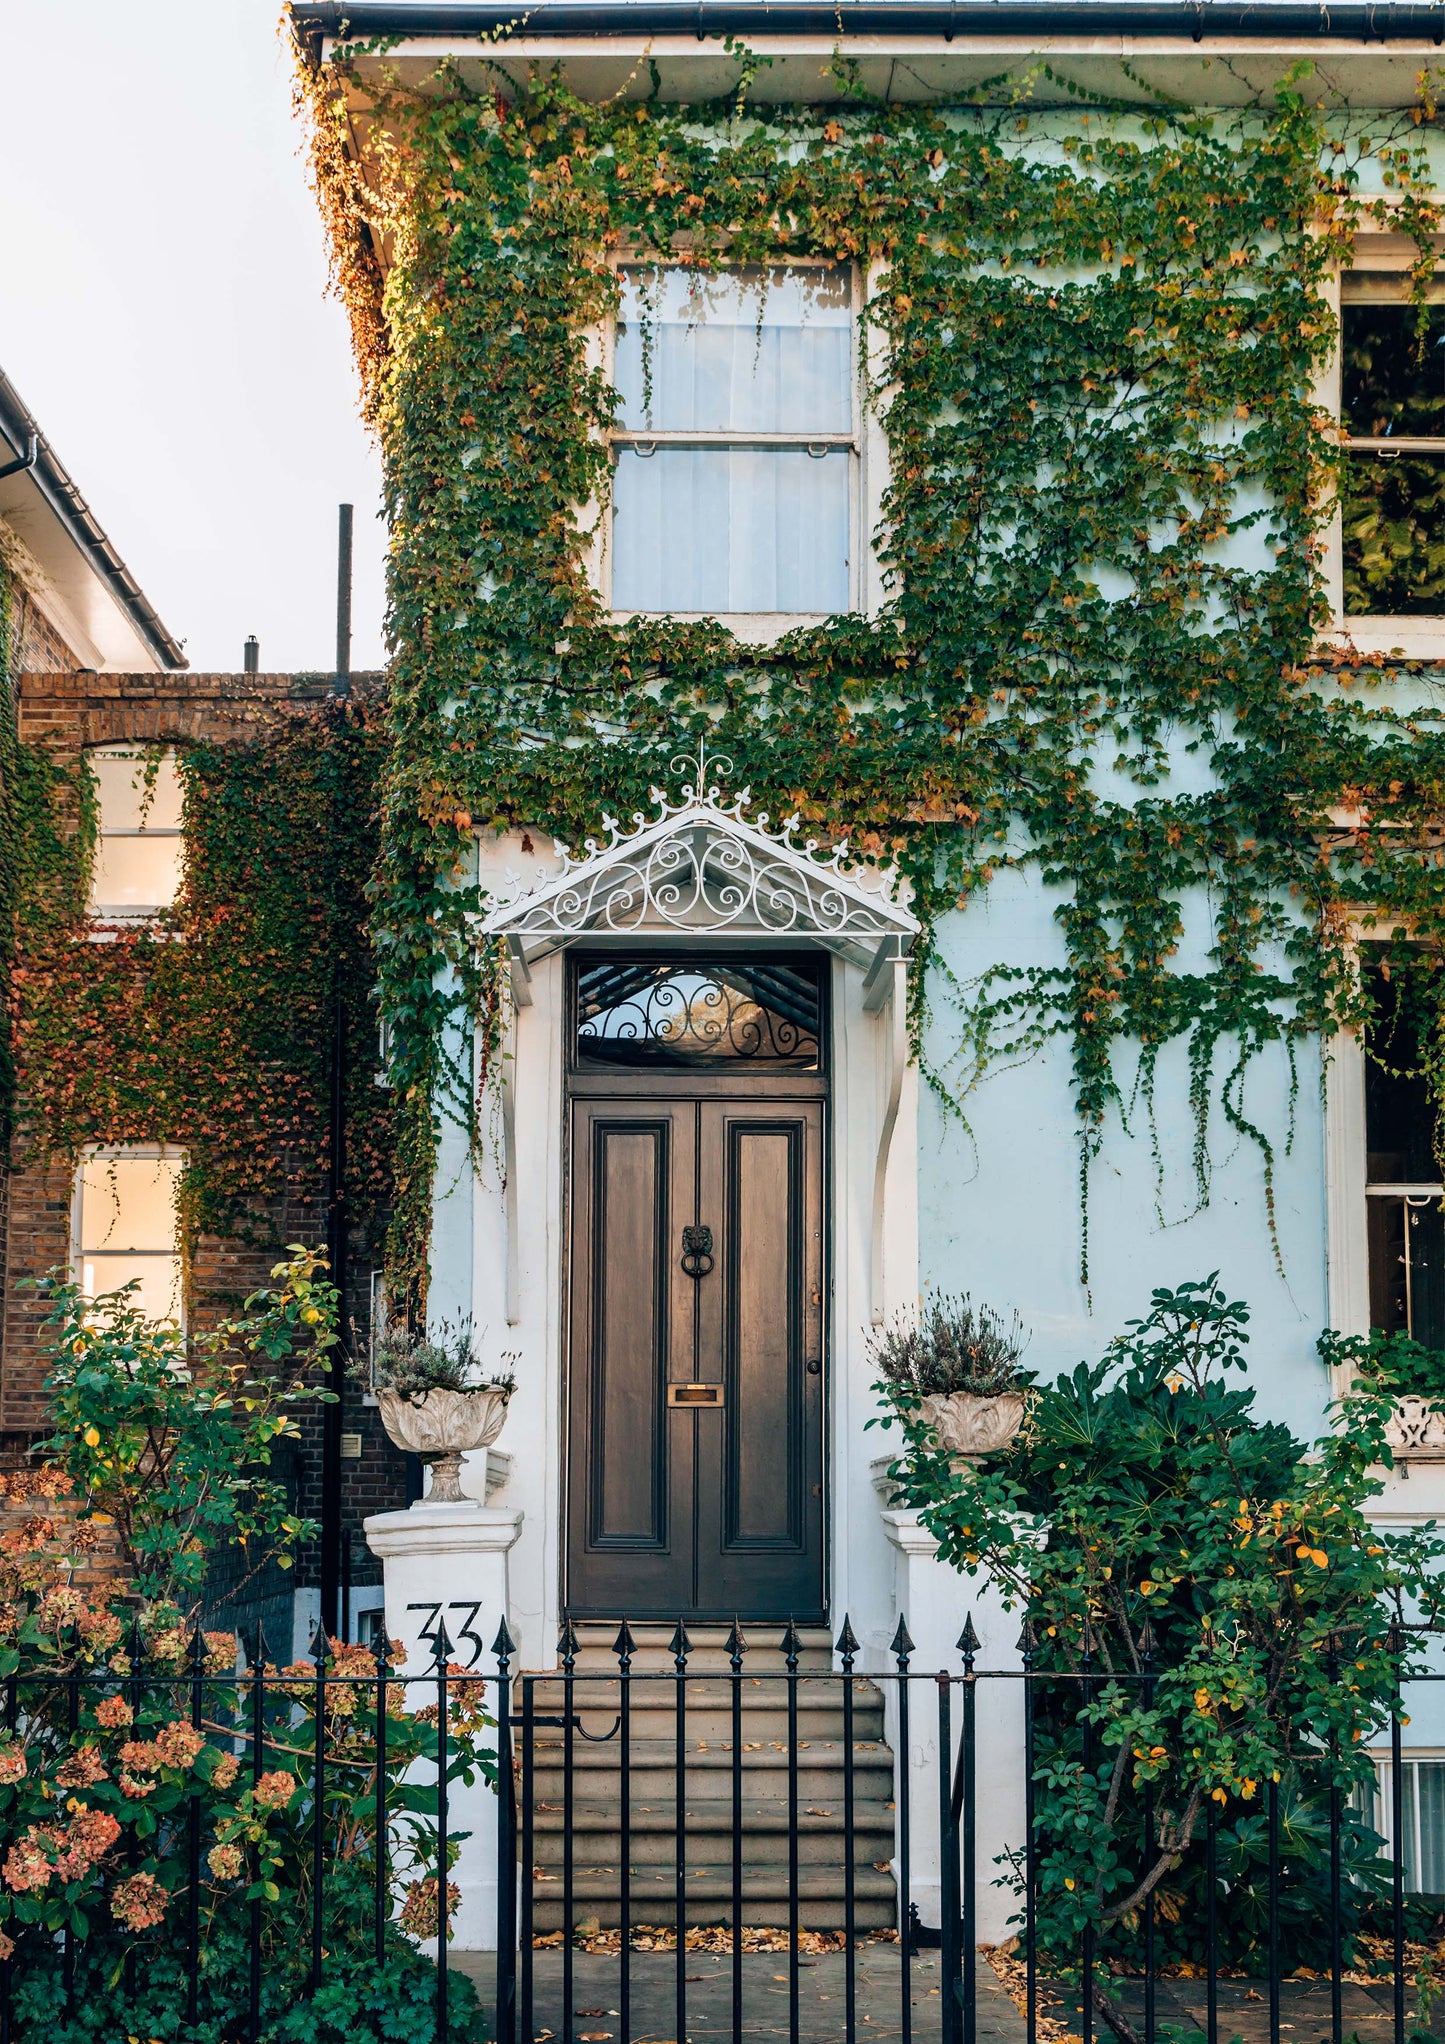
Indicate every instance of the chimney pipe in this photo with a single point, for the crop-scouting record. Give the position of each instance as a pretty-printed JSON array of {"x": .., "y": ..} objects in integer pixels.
[
  {"x": 252, "y": 655},
  {"x": 343, "y": 601}
]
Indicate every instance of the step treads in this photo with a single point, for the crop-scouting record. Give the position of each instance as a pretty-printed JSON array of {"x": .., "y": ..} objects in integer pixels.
[
  {"x": 780, "y": 1758},
  {"x": 714, "y": 1883},
  {"x": 604, "y": 1814}
]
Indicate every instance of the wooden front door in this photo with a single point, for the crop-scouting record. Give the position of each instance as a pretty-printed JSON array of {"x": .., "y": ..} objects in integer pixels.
[{"x": 695, "y": 1412}]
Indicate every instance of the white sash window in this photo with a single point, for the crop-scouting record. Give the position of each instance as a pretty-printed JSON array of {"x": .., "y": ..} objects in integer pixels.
[
  {"x": 736, "y": 442},
  {"x": 124, "y": 1226},
  {"x": 137, "y": 869}
]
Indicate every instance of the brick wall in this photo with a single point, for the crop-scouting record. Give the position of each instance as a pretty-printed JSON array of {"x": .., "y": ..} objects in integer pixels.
[
  {"x": 37, "y": 644},
  {"x": 67, "y": 711}
]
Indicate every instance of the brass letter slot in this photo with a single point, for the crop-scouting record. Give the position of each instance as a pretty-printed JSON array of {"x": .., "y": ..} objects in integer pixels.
[{"x": 694, "y": 1394}]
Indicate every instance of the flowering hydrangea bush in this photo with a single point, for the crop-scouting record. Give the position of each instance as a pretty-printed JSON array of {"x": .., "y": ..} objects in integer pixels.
[
  {"x": 158, "y": 1793},
  {"x": 122, "y": 1731}
]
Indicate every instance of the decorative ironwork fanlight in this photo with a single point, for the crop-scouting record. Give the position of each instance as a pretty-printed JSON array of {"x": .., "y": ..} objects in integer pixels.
[{"x": 686, "y": 1012}]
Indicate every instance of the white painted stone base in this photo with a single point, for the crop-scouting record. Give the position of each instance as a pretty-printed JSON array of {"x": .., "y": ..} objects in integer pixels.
[
  {"x": 450, "y": 1561},
  {"x": 935, "y": 1600}
]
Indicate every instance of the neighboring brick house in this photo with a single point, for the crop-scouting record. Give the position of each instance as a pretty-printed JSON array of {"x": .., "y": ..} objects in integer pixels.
[{"x": 93, "y": 671}]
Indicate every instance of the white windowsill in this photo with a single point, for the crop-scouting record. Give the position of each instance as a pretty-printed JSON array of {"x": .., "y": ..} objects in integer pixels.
[
  {"x": 1411, "y": 638},
  {"x": 749, "y": 628},
  {"x": 107, "y": 924}
]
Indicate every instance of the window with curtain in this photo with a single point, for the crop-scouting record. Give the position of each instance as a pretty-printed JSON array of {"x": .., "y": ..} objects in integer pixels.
[
  {"x": 137, "y": 868},
  {"x": 125, "y": 1227},
  {"x": 735, "y": 441}
]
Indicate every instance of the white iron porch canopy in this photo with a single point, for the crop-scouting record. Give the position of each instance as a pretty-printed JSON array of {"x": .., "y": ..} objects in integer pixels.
[{"x": 702, "y": 868}]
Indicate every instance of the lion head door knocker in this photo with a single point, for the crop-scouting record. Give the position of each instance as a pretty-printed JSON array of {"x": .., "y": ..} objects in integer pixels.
[{"x": 697, "y": 1251}]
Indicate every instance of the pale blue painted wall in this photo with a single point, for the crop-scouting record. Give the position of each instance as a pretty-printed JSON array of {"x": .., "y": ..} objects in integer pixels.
[{"x": 999, "y": 1202}]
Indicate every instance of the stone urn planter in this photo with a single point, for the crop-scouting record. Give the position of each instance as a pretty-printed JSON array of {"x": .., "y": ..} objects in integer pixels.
[
  {"x": 441, "y": 1426},
  {"x": 969, "y": 1425},
  {"x": 1417, "y": 1427}
]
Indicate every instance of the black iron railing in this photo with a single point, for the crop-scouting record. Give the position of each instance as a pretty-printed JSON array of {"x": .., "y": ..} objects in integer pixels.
[{"x": 618, "y": 1902}]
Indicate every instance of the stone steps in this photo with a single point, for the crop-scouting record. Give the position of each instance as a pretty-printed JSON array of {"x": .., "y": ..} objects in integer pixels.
[
  {"x": 762, "y": 1709},
  {"x": 708, "y": 1651},
  {"x": 822, "y": 1844},
  {"x": 596, "y": 1829},
  {"x": 821, "y": 1902}
]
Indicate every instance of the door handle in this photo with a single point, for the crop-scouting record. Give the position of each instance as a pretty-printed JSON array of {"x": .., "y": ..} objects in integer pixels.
[
  {"x": 814, "y": 1366},
  {"x": 697, "y": 1251}
]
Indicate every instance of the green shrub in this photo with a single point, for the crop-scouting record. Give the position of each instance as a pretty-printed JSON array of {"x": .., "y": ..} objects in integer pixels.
[
  {"x": 1392, "y": 1364},
  {"x": 1221, "y": 1615},
  {"x": 167, "y": 1437}
]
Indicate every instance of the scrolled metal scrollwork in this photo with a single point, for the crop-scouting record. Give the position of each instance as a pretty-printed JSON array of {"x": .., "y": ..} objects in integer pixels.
[
  {"x": 660, "y": 1012},
  {"x": 700, "y": 865}
]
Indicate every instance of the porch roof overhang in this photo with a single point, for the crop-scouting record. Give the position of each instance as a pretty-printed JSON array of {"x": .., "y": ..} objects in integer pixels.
[{"x": 702, "y": 870}]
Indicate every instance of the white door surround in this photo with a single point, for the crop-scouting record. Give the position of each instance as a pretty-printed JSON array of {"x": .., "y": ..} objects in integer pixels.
[{"x": 703, "y": 869}]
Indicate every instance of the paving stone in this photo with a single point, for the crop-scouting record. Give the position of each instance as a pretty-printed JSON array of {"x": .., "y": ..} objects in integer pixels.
[{"x": 821, "y": 1997}]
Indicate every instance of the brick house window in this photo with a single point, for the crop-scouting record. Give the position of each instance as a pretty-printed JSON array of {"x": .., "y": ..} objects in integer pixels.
[
  {"x": 736, "y": 441},
  {"x": 137, "y": 869},
  {"x": 1392, "y": 414},
  {"x": 124, "y": 1226},
  {"x": 1403, "y": 1192}
]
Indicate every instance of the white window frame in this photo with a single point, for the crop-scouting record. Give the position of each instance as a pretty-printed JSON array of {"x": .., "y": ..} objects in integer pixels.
[
  {"x": 1347, "y": 1186},
  {"x": 868, "y": 466},
  {"x": 1379, "y": 256},
  {"x": 107, "y": 919},
  {"x": 105, "y": 1153},
  {"x": 1380, "y": 1819}
]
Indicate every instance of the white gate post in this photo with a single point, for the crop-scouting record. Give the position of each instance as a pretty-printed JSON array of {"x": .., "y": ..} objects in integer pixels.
[
  {"x": 449, "y": 1562},
  {"x": 934, "y": 1600}
]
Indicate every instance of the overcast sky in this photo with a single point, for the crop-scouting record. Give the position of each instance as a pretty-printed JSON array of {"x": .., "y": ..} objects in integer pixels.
[{"x": 163, "y": 313}]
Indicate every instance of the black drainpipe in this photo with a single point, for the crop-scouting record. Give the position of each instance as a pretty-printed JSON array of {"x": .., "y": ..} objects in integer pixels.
[
  {"x": 26, "y": 461},
  {"x": 333, "y": 1415}
]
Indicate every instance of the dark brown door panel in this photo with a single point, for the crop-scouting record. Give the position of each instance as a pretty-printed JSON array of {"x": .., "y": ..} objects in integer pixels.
[
  {"x": 759, "y": 1459},
  {"x": 630, "y": 1479}
]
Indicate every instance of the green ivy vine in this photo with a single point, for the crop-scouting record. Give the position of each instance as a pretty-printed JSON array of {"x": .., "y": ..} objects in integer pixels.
[
  {"x": 211, "y": 1028},
  {"x": 1096, "y": 334},
  {"x": 9, "y": 851}
]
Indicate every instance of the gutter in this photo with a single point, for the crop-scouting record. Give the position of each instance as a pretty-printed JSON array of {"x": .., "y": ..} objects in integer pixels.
[
  {"x": 1368, "y": 21},
  {"x": 60, "y": 493}
]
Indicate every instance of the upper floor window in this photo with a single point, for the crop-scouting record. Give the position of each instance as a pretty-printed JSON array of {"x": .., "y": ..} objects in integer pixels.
[
  {"x": 1402, "y": 1142},
  {"x": 1392, "y": 411},
  {"x": 125, "y": 1227},
  {"x": 736, "y": 441},
  {"x": 138, "y": 850}
]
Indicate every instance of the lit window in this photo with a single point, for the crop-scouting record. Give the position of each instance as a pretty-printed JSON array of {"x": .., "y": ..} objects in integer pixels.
[
  {"x": 1393, "y": 494},
  {"x": 1402, "y": 1137},
  {"x": 125, "y": 1227},
  {"x": 138, "y": 851},
  {"x": 735, "y": 442}
]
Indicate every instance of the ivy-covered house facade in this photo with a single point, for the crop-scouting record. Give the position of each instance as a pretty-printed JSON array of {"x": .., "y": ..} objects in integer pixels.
[
  {"x": 184, "y": 958},
  {"x": 915, "y": 755}
]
